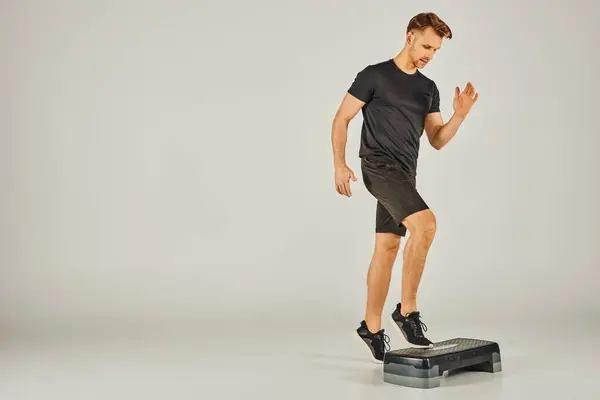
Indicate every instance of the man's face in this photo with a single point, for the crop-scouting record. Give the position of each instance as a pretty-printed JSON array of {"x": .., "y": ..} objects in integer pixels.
[{"x": 423, "y": 46}]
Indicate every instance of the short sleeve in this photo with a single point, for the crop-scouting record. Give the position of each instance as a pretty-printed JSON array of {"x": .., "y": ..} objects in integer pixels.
[
  {"x": 363, "y": 87},
  {"x": 435, "y": 100}
]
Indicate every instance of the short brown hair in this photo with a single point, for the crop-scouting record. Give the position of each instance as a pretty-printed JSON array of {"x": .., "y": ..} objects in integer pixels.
[{"x": 423, "y": 20}]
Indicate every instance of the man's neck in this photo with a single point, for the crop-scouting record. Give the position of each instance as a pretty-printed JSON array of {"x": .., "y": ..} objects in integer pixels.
[{"x": 404, "y": 63}]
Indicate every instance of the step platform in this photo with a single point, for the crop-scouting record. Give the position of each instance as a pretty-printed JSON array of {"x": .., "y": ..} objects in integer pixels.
[{"x": 424, "y": 368}]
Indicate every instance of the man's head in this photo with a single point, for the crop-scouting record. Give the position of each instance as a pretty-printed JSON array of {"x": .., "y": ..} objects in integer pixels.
[{"x": 424, "y": 36}]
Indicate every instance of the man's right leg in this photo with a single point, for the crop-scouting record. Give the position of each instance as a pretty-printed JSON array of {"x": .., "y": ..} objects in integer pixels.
[
  {"x": 378, "y": 277},
  {"x": 387, "y": 244}
]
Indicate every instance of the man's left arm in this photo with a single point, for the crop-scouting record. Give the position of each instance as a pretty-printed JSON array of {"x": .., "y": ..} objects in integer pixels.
[{"x": 440, "y": 133}]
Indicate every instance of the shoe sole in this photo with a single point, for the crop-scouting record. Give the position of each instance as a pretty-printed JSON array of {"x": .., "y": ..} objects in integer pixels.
[
  {"x": 416, "y": 346},
  {"x": 364, "y": 344}
]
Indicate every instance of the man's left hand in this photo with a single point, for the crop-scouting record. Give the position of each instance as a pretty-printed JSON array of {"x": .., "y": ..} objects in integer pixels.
[{"x": 465, "y": 100}]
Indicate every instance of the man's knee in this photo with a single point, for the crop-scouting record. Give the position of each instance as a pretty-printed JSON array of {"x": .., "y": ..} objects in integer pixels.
[
  {"x": 422, "y": 223},
  {"x": 429, "y": 225},
  {"x": 387, "y": 242}
]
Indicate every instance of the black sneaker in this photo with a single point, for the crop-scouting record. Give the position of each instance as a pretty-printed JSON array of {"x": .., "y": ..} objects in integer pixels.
[
  {"x": 412, "y": 328},
  {"x": 378, "y": 342}
]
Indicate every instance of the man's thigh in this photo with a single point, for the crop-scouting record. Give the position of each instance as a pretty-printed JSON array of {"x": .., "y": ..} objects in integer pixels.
[
  {"x": 396, "y": 194},
  {"x": 384, "y": 223}
]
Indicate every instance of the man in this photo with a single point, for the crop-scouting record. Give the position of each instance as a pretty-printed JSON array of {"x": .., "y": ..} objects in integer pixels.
[{"x": 398, "y": 103}]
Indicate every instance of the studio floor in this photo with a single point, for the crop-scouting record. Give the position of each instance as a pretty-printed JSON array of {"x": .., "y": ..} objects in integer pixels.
[{"x": 544, "y": 362}]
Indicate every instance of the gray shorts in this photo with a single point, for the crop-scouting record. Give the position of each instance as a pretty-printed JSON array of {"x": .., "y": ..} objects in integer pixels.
[{"x": 396, "y": 194}]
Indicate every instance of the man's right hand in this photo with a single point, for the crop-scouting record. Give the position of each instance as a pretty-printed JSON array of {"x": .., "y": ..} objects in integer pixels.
[{"x": 343, "y": 174}]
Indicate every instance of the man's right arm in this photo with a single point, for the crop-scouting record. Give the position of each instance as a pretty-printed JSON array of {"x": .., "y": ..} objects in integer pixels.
[
  {"x": 346, "y": 112},
  {"x": 348, "y": 109}
]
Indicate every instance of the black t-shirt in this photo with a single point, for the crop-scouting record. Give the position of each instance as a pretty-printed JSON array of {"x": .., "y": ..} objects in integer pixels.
[{"x": 394, "y": 114}]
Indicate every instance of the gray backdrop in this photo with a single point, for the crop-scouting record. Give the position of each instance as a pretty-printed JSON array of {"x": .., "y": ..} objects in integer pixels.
[{"x": 169, "y": 164}]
